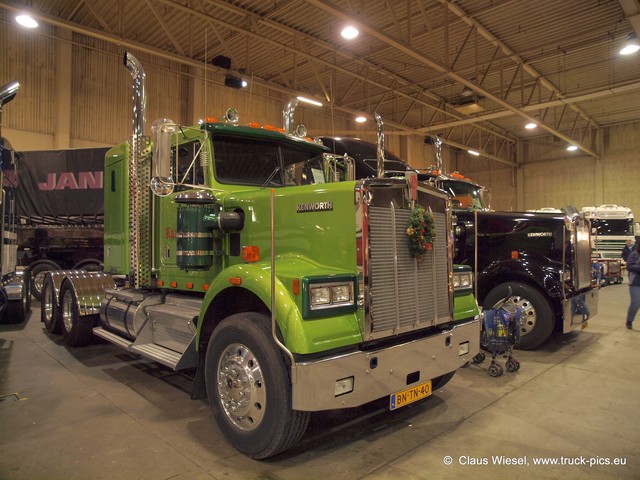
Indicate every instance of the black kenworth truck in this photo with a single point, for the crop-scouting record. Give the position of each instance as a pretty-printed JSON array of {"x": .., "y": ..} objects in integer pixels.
[{"x": 541, "y": 262}]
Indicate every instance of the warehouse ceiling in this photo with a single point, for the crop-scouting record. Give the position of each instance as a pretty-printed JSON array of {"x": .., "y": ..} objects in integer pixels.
[{"x": 473, "y": 72}]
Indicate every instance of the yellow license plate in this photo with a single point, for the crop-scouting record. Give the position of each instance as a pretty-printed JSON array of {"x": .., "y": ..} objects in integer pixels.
[{"x": 409, "y": 395}]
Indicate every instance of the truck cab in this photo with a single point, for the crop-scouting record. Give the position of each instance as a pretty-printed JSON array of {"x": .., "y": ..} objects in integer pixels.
[
  {"x": 15, "y": 296},
  {"x": 540, "y": 262},
  {"x": 228, "y": 253}
]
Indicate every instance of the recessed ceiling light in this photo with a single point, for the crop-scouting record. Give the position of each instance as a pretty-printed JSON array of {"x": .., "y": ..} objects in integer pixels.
[
  {"x": 27, "y": 21},
  {"x": 361, "y": 119},
  {"x": 530, "y": 126},
  {"x": 473, "y": 152},
  {"x": 631, "y": 46},
  {"x": 349, "y": 32},
  {"x": 572, "y": 148}
]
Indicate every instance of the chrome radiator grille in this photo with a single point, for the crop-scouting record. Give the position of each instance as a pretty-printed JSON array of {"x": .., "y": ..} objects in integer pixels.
[{"x": 404, "y": 293}]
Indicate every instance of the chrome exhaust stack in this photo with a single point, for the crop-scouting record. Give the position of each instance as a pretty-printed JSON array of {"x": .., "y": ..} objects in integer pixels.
[
  {"x": 139, "y": 93},
  {"x": 139, "y": 177},
  {"x": 437, "y": 145},
  {"x": 7, "y": 93},
  {"x": 379, "y": 145},
  {"x": 287, "y": 115}
]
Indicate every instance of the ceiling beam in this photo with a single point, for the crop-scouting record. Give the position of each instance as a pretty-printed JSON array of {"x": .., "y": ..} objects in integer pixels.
[
  {"x": 407, "y": 50},
  {"x": 534, "y": 107}
]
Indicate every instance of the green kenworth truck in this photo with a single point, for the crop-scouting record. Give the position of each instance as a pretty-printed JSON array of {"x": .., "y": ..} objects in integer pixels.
[{"x": 227, "y": 251}]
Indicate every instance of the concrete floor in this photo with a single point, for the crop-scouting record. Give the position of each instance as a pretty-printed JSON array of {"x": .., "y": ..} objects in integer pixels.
[{"x": 100, "y": 413}]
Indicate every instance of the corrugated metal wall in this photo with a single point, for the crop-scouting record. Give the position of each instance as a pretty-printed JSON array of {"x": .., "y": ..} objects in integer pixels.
[
  {"x": 30, "y": 59},
  {"x": 100, "y": 106}
]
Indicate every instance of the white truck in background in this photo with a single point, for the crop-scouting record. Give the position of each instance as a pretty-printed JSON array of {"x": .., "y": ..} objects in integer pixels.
[{"x": 611, "y": 226}]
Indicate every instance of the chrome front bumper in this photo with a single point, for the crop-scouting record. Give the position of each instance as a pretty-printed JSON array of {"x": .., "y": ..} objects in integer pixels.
[{"x": 380, "y": 373}]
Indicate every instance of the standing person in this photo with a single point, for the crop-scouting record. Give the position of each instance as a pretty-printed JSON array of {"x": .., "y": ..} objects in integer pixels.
[
  {"x": 626, "y": 251},
  {"x": 633, "y": 266}
]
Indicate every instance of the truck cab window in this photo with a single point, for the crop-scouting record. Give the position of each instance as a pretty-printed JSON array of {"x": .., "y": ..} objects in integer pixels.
[
  {"x": 249, "y": 162},
  {"x": 464, "y": 195},
  {"x": 187, "y": 167}
]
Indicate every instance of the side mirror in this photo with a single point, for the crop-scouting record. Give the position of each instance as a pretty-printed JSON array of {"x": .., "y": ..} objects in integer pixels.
[{"x": 161, "y": 183}]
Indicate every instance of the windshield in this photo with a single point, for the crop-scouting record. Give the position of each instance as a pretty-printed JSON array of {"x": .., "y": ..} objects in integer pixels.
[
  {"x": 613, "y": 227},
  {"x": 464, "y": 195},
  {"x": 391, "y": 167},
  {"x": 251, "y": 161}
]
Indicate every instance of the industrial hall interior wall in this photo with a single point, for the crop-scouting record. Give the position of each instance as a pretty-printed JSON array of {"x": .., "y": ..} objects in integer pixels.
[{"x": 75, "y": 93}]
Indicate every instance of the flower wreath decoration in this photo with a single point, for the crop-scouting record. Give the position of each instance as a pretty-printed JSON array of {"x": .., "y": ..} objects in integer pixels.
[{"x": 421, "y": 232}]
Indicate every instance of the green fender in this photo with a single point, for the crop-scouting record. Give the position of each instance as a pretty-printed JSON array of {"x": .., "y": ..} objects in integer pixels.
[
  {"x": 300, "y": 335},
  {"x": 465, "y": 306}
]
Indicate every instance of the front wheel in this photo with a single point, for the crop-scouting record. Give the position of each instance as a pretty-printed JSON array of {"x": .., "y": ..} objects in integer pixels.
[
  {"x": 76, "y": 330},
  {"x": 536, "y": 319},
  {"x": 249, "y": 387},
  {"x": 441, "y": 381}
]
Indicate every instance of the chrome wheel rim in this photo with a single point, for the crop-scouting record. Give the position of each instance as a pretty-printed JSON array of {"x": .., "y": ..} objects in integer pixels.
[
  {"x": 241, "y": 390},
  {"x": 38, "y": 281},
  {"x": 528, "y": 315},
  {"x": 67, "y": 311},
  {"x": 48, "y": 305}
]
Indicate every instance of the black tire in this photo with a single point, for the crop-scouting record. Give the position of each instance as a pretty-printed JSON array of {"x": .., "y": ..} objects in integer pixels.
[
  {"x": 479, "y": 358},
  {"x": 439, "y": 382},
  {"x": 89, "y": 265},
  {"x": 26, "y": 290},
  {"x": 511, "y": 365},
  {"x": 76, "y": 330},
  {"x": 495, "y": 370},
  {"x": 49, "y": 308},
  {"x": 243, "y": 361},
  {"x": 537, "y": 317},
  {"x": 38, "y": 271},
  {"x": 15, "y": 312}
]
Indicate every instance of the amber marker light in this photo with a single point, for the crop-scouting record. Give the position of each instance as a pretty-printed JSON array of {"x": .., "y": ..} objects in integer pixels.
[
  {"x": 250, "y": 254},
  {"x": 189, "y": 285},
  {"x": 160, "y": 283},
  {"x": 296, "y": 286},
  {"x": 237, "y": 281},
  {"x": 173, "y": 284},
  {"x": 205, "y": 287}
]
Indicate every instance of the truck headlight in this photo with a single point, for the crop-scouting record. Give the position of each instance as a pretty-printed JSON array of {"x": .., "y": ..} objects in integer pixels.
[
  {"x": 320, "y": 295},
  {"x": 462, "y": 278},
  {"x": 329, "y": 295}
]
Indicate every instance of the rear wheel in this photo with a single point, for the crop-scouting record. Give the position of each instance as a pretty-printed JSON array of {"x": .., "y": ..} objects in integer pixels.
[
  {"x": 77, "y": 330},
  {"x": 49, "y": 308},
  {"x": 89, "y": 265},
  {"x": 537, "y": 318},
  {"x": 38, "y": 271},
  {"x": 249, "y": 387}
]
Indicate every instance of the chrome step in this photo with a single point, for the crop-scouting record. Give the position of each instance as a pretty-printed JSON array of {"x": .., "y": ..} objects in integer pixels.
[
  {"x": 112, "y": 337},
  {"x": 158, "y": 353}
]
